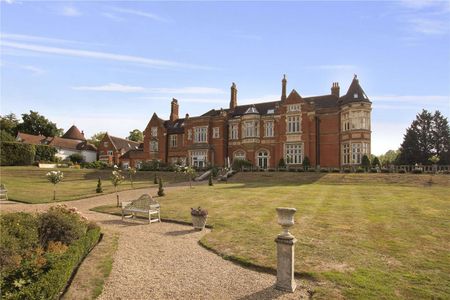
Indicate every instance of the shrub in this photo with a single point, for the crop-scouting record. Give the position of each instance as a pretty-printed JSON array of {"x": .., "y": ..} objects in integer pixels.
[
  {"x": 210, "y": 182},
  {"x": 323, "y": 170},
  {"x": 153, "y": 165},
  {"x": 312, "y": 170},
  {"x": 385, "y": 170},
  {"x": 335, "y": 170},
  {"x": 95, "y": 165},
  {"x": 306, "y": 163},
  {"x": 160, "y": 188},
  {"x": 60, "y": 224},
  {"x": 76, "y": 158},
  {"x": 360, "y": 170},
  {"x": 16, "y": 154},
  {"x": 402, "y": 171},
  {"x": 376, "y": 162},
  {"x": 347, "y": 170},
  {"x": 292, "y": 170},
  {"x": 373, "y": 170},
  {"x": 300, "y": 170},
  {"x": 5, "y": 136},
  {"x": 365, "y": 163},
  {"x": 99, "y": 188},
  {"x": 241, "y": 164},
  {"x": 45, "y": 153},
  {"x": 281, "y": 163}
]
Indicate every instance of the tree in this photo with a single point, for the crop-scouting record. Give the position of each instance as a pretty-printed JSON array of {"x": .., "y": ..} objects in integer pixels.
[
  {"x": 306, "y": 163},
  {"x": 5, "y": 136},
  {"x": 55, "y": 177},
  {"x": 160, "y": 188},
  {"x": 96, "y": 138},
  {"x": 389, "y": 157},
  {"x": 136, "y": 135},
  {"x": 375, "y": 162},
  {"x": 131, "y": 173},
  {"x": 429, "y": 134},
  {"x": 76, "y": 158},
  {"x": 9, "y": 123},
  {"x": 34, "y": 123},
  {"x": 99, "y": 188},
  {"x": 116, "y": 180},
  {"x": 365, "y": 162}
]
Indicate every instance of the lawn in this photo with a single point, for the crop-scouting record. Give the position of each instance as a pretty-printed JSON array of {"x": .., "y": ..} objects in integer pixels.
[
  {"x": 360, "y": 236},
  {"x": 30, "y": 185}
]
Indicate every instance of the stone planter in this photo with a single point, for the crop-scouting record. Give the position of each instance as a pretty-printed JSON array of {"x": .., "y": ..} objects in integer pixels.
[
  {"x": 199, "y": 222},
  {"x": 286, "y": 220}
]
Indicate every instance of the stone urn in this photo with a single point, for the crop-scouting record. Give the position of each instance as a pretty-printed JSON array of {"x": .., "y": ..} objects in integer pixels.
[
  {"x": 199, "y": 217},
  {"x": 286, "y": 220}
]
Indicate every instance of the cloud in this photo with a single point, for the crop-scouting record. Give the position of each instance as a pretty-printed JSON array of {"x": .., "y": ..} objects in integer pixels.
[
  {"x": 111, "y": 87},
  {"x": 140, "y": 13},
  {"x": 154, "y": 63},
  {"x": 412, "y": 99},
  {"x": 430, "y": 26},
  {"x": 70, "y": 11},
  {"x": 34, "y": 70},
  {"x": 117, "y": 87},
  {"x": 41, "y": 39}
]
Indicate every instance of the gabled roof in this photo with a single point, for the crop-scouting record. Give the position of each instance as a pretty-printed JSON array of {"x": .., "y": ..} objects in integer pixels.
[
  {"x": 120, "y": 143},
  {"x": 355, "y": 93},
  {"x": 134, "y": 153},
  {"x": 31, "y": 138},
  {"x": 74, "y": 134},
  {"x": 56, "y": 141},
  {"x": 174, "y": 127}
]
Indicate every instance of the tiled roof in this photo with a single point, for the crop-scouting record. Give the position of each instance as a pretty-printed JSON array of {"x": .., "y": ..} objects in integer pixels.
[
  {"x": 74, "y": 134},
  {"x": 58, "y": 142},
  {"x": 174, "y": 127},
  {"x": 325, "y": 101},
  {"x": 124, "y": 144},
  {"x": 261, "y": 108},
  {"x": 31, "y": 138},
  {"x": 355, "y": 93},
  {"x": 135, "y": 154}
]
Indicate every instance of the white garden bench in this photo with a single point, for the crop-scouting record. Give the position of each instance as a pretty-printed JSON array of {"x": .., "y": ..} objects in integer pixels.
[
  {"x": 145, "y": 204},
  {"x": 3, "y": 192}
]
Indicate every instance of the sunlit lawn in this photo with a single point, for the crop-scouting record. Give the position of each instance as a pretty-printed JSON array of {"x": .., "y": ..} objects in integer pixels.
[
  {"x": 360, "y": 236},
  {"x": 29, "y": 184}
]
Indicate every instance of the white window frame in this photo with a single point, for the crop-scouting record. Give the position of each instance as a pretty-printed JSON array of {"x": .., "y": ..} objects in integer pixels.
[
  {"x": 216, "y": 132},
  {"x": 250, "y": 129},
  {"x": 154, "y": 131},
  {"x": 110, "y": 152},
  {"x": 346, "y": 153},
  {"x": 173, "y": 141},
  {"x": 293, "y": 124},
  {"x": 239, "y": 154},
  {"x": 234, "y": 131},
  {"x": 201, "y": 134},
  {"x": 293, "y": 153},
  {"x": 269, "y": 129},
  {"x": 154, "y": 146},
  {"x": 199, "y": 158},
  {"x": 294, "y": 107}
]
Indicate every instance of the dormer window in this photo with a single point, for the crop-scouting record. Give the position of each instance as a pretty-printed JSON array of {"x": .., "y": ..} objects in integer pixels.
[
  {"x": 355, "y": 95},
  {"x": 270, "y": 111},
  {"x": 252, "y": 110}
]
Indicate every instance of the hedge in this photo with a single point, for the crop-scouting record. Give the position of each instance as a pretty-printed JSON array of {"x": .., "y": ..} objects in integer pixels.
[
  {"x": 45, "y": 153},
  {"x": 52, "y": 283},
  {"x": 16, "y": 154}
]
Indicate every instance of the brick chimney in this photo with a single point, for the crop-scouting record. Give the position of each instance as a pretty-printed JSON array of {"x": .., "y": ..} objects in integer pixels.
[
  {"x": 335, "y": 89},
  {"x": 233, "y": 100},
  {"x": 174, "y": 110},
  {"x": 283, "y": 88}
]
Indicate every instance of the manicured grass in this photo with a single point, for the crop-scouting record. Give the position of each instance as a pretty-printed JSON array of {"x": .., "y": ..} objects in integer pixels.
[
  {"x": 360, "y": 236},
  {"x": 30, "y": 185}
]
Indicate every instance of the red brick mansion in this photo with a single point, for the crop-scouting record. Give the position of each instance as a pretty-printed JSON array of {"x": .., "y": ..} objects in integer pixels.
[{"x": 331, "y": 130}]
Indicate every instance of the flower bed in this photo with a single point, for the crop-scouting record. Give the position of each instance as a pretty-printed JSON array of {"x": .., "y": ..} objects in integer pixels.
[{"x": 40, "y": 252}]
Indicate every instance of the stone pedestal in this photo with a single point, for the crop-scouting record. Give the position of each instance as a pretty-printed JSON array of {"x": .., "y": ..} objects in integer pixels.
[{"x": 285, "y": 263}]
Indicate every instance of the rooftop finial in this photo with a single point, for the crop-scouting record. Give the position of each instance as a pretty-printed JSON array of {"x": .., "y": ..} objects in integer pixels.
[{"x": 355, "y": 76}]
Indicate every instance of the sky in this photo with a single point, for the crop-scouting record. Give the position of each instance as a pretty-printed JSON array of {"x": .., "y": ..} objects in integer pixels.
[{"x": 108, "y": 65}]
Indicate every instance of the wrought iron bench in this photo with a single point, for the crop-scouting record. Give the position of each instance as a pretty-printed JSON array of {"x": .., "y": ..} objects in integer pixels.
[
  {"x": 3, "y": 192},
  {"x": 145, "y": 204}
]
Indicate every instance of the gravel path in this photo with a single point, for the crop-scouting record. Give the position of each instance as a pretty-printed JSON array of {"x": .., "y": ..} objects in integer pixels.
[{"x": 165, "y": 261}]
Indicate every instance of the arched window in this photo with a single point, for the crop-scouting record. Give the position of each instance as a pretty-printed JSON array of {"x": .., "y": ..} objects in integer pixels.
[
  {"x": 262, "y": 159},
  {"x": 239, "y": 154}
]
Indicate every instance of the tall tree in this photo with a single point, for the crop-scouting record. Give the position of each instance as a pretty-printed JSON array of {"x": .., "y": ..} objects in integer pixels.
[
  {"x": 389, "y": 157},
  {"x": 9, "y": 123},
  {"x": 96, "y": 138},
  {"x": 34, "y": 123},
  {"x": 428, "y": 135},
  {"x": 136, "y": 135}
]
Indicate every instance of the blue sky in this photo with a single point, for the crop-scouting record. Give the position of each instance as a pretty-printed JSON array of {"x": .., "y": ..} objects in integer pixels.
[{"x": 107, "y": 66}]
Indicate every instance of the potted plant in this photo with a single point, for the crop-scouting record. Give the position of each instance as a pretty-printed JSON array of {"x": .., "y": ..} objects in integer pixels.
[{"x": 199, "y": 216}]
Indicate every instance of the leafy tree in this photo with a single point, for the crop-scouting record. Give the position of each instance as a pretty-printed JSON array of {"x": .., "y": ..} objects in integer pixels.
[
  {"x": 96, "y": 138},
  {"x": 281, "y": 163},
  {"x": 389, "y": 157},
  {"x": 9, "y": 123},
  {"x": 34, "y": 123},
  {"x": 375, "y": 162},
  {"x": 5, "y": 136},
  {"x": 365, "y": 162},
  {"x": 76, "y": 158},
  {"x": 136, "y": 135},
  {"x": 429, "y": 134}
]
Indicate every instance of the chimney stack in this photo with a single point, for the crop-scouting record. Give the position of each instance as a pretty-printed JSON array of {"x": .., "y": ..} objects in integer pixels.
[
  {"x": 335, "y": 89},
  {"x": 174, "y": 110},
  {"x": 233, "y": 100},
  {"x": 283, "y": 88}
]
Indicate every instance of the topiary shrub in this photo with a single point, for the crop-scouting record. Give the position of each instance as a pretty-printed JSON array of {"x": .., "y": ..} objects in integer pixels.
[
  {"x": 76, "y": 158},
  {"x": 99, "y": 188},
  {"x": 160, "y": 188},
  {"x": 210, "y": 181},
  {"x": 306, "y": 163},
  {"x": 335, "y": 170},
  {"x": 360, "y": 170},
  {"x": 60, "y": 224},
  {"x": 281, "y": 163},
  {"x": 365, "y": 163},
  {"x": 347, "y": 170}
]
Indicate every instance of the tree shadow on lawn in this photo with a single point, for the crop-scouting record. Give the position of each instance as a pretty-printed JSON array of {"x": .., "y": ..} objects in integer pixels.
[
  {"x": 181, "y": 232},
  {"x": 272, "y": 293},
  {"x": 123, "y": 223},
  {"x": 257, "y": 180}
]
